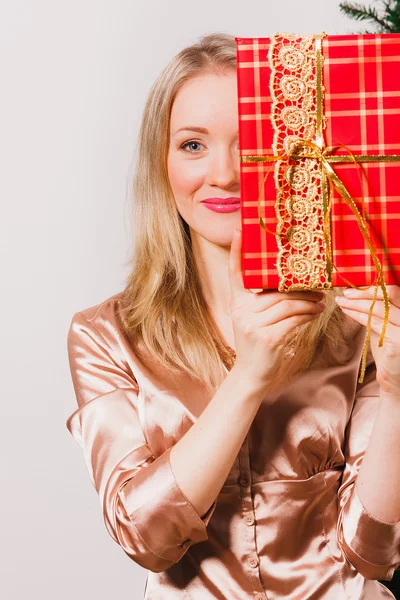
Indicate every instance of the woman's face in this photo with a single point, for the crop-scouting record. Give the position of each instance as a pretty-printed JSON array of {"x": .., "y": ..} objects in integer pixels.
[{"x": 205, "y": 165}]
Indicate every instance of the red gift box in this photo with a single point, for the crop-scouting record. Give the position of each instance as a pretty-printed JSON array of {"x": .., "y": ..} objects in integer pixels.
[{"x": 361, "y": 110}]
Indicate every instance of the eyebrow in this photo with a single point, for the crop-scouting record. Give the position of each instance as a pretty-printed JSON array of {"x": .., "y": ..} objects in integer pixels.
[{"x": 192, "y": 128}]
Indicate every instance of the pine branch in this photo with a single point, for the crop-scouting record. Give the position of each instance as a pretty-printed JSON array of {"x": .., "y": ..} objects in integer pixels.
[
  {"x": 392, "y": 16},
  {"x": 361, "y": 13}
]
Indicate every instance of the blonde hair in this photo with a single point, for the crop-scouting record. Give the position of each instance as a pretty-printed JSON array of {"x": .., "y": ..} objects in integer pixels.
[{"x": 163, "y": 305}]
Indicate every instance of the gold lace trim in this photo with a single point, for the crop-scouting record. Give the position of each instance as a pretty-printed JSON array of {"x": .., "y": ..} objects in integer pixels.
[{"x": 301, "y": 258}]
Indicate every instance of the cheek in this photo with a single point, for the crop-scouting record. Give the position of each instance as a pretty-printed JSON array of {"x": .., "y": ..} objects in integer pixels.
[{"x": 185, "y": 178}]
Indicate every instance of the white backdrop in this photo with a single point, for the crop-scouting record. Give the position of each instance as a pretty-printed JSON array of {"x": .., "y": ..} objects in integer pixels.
[{"x": 74, "y": 78}]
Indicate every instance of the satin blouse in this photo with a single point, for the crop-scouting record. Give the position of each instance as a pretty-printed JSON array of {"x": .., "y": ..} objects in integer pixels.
[{"x": 287, "y": 523}]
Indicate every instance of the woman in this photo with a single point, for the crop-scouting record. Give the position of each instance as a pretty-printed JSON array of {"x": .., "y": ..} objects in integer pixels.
[{"x": 224, "y": 429}]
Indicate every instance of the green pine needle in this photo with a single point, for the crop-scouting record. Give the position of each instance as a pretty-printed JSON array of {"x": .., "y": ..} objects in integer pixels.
[
  {"x": 386, "y": 22},
  {"x": 393, "y": 14}
]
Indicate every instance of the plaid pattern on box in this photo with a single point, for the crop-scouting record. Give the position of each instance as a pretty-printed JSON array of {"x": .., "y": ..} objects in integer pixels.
[{"x": 361, "y": 76}]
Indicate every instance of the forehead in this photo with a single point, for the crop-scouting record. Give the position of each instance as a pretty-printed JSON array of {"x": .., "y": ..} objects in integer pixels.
[{"x": 206, "y": 101}]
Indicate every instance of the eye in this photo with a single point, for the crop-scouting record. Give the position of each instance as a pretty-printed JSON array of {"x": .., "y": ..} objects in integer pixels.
[{"x": 190, "y": 142}]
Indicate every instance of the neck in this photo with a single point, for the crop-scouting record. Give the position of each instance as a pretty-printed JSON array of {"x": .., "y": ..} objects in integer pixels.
[{"x": 212, "y": 261}]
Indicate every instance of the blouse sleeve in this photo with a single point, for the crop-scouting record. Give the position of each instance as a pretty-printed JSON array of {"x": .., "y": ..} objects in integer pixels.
[
  {"x": 370, "y": 545},
  {"x": 144, "y": 509}
]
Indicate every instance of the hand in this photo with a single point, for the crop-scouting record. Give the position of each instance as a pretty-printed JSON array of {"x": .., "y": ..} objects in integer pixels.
[
  {"x": 356, "y": 304},
  {"x": 262, "y": 322}
]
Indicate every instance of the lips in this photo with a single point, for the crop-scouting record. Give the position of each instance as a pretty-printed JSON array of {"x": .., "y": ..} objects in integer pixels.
[{"x": 231, "y": 200}]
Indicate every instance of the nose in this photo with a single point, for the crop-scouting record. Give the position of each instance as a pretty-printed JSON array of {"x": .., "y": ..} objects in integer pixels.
[{"x": 224, "y": 168}]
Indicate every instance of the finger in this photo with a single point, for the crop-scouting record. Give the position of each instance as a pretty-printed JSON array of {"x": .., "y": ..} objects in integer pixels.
[
  {"x": 235, "y": 264},
  {"x": 262, "y": 302},
  {"x": 392, "y": 290},
  {"x": 286, "y": 309},
  {"x": 376, "y": 323},
  {"x": 281, "y": 330},
  {"x": 363, "y": 306}
]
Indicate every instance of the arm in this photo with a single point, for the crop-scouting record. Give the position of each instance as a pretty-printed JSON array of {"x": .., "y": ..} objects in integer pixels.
[
  {"x": 145, "y": 509},
  {"x": 369, "y": 536},
  {"x": 215, "y": 440}
]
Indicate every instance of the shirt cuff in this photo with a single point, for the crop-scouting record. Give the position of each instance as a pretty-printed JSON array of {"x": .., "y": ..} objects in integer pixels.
[
  {"x": 161, "y": 513},
  {"x": 371, "y": 545}
]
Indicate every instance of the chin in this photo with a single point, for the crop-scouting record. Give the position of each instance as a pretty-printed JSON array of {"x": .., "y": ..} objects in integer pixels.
[{"x": 215, "y": 235}]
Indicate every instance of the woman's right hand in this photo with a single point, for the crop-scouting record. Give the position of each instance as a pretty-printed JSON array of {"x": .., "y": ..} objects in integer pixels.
[{"x": 262, "y": 322}]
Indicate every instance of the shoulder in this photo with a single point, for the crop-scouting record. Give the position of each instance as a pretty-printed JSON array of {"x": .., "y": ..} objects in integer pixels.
[
  {"x": 102, "y": 318},
  {"x": 106, "y": 309},
  {"x": 100, "y": 360},
  {"x": 95, "y": 333}
]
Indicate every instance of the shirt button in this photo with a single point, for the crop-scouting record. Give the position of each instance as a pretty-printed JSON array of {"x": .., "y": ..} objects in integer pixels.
[
  {"x": 260, "y": 597},
  {"x": 253, "y": 562},
  {"x": 244, "y": 480},
  {"x": 249, "y": 519}
]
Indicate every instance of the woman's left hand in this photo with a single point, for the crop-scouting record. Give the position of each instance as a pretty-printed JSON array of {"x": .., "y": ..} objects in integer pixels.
[{"x": 356, "y": 304}]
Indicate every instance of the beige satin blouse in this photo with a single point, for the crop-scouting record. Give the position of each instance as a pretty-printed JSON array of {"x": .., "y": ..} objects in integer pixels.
[{"x": 287, "y": 524}]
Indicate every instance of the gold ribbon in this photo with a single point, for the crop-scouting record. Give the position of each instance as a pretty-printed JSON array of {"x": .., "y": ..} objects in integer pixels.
[{"x": 330, "y": 179}]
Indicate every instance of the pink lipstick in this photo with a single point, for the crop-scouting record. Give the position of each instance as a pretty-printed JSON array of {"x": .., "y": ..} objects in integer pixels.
[{"x": 222, "y": 205}]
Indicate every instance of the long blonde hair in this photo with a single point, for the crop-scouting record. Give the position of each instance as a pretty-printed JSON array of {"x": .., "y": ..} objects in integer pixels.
[{"x": 163, "y": 305}]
